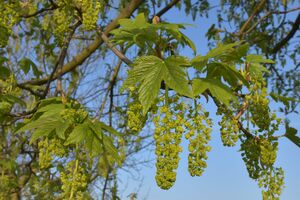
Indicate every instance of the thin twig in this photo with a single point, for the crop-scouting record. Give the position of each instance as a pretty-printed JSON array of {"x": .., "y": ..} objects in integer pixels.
[
  {"x": 110, "y": 86},
  {"x": 290, "y": 35},
  {"x": 42, "y": 10},
  {"x": 113, "y": 48},
  {"x": 167, "y": 8},
  {"x": 256, "y": 10},
  {"x": 267, "y": 15},
  {"x": 61, "y": 57}
]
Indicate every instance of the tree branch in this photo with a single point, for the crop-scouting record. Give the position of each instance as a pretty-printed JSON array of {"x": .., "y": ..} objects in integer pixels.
[
  {"x": 289, "y": 36},
  {"x": 40, "y": 11},
  {"x": 82, "y": 56},
  {"x": 256, "y": 10},
  {"x": 110, "y": 86},
  {"x": 114, "y": 49},
  {"x": 167, "y": 8},
  {"x": 268, "y": 14},
  {"x": 61, "y": 57}
]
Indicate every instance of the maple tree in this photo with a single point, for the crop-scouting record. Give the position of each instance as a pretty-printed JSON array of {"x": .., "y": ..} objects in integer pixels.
[{"x": 63, "y": 128}]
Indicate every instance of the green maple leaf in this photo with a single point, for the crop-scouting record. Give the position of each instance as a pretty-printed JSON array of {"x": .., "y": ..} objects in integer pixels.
[
  {"x": 218, "y": 90},
  {"x": 150, "y": 71}
]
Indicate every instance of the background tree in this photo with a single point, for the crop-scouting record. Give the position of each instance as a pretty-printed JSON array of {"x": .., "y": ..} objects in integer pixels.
[{"x": 79, "y": 81}]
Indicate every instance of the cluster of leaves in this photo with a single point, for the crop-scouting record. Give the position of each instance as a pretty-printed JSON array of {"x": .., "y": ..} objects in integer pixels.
[
  {"x": 9, "y": 93},
  {"x": 63, "y": 128},
  {"x": 148, "y": 36},
  {"x": 71, "y": 123},
  {"x": 10, "y": 12}
]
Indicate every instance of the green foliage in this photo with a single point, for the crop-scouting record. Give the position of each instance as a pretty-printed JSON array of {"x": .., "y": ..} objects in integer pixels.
[
  {"x": 218, "y": 90},
  {"x": 26, "y": 64},
  {"x": 150, "y": 71},
  {"x": 70, "y": 123},
  {"x": 144, "y": 34},
  {"x": 291, "y": 135}
]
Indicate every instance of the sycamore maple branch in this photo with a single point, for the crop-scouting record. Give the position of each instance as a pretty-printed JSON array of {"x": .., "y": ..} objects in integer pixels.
[
  {"x": 257, "y": 9},
  {"x": 269, "y": 14},
  {"x": 289, "y": 36},
  {"x": 61, "y": 57},
  {"x": 41, "y": 11},
  {"x": 84, "y": 54},
  {"x": 167, "y": 8}
]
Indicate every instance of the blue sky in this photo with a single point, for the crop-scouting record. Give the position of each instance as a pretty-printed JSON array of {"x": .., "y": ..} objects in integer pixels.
[{"x": 226, "y": 177}]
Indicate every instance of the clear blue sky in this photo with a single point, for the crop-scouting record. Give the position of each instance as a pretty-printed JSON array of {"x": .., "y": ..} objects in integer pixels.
[{"x": 226, "y": 177}]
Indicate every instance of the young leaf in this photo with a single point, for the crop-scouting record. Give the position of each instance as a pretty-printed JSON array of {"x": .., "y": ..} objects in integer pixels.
[
  {"x": 52, "y": 109},
  {"x": 258, "y": 70},
  {"x": 38, "y": 133},
  {"x": 109, "y": 147},
  {"x": 149, "y": 71},
  {"x": 41, "y": 123},
  {"x": 251, "y": 58},
  {"x": 61, "y": 129},
  {"x": 53, "y": 100},
  {"x": 217, "y": 89},
  {"x": 291, "y": 135},
  {"x": 78, "y": 134},
  {"x": 228, "y": 72},
  {"x": 4, "y": 72},
  {"x": 189, "y": 42},
  {"x": 199, "y": 62},
  {"x": 142, "y": 66},
  {"x": 108, "y": 129},
  {"x": 26, "y": 64},
  {"x": 221, "y": 49},
  {"x": 94, "y": 138},
  {"x": 12, "y": 99}
]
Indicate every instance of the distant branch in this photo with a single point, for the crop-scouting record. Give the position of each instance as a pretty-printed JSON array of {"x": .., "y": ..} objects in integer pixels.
[
  {"x": 256, "y": 10},
  {"x": 54, "y": 6},
  {"x": 167, "y": 8},
  {"x": 289, "y": 36},
  {"x": 82, "y": 56},
  {"x": 112, "y": 81},
  {"x": 61, "y": 57},
  {"x": 268, "y": 14}
]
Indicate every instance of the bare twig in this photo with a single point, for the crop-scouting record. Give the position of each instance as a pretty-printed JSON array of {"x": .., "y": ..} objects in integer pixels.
[
  {"x": 110, "y": 86},
  {"x": 167, "y": 8},
  {"x": 289, "y": 36},
  {"x": 61, "y": 57},
  {"x": 267, "y": 15},
  {"x": 113, "y": 48},
  {"x": 256, "y": 10}
]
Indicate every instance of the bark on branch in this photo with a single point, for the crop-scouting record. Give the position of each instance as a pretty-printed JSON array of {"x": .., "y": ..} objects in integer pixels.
[
  {"x": 289, "y": 36},
  {"x": 83, "y": 55}
]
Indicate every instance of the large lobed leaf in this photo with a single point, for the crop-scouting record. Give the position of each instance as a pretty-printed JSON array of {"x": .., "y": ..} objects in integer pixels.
[{"x": 150, "y": 71}]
